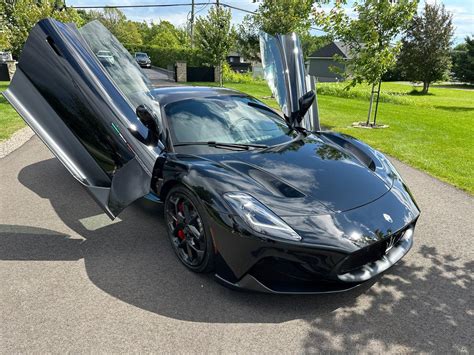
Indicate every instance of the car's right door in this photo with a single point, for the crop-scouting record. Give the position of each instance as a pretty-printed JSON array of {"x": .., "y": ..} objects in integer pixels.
[{"x": 284, "y": 71}]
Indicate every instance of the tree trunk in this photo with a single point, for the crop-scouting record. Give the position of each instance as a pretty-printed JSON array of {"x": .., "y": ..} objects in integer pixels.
[
  {"x": 377, "y": 102},
  {"x": 221, "y": 78},
  {"x": 370, "y": 105},
  {"x": 426, "y": 86}
]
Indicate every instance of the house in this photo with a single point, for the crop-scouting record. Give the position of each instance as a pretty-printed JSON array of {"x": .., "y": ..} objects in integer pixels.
[
  {"x": 238, "y": 63},
  {"x": 320, "y": 62}
]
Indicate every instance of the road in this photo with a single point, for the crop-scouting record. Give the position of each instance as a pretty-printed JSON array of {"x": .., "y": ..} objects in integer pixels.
[
  {"x": 158, "y": 77},
  {"x": 72, "y": 280}
]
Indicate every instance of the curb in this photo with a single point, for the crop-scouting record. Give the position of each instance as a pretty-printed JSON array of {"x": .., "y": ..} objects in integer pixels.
[{"x": 15, "y": 141}]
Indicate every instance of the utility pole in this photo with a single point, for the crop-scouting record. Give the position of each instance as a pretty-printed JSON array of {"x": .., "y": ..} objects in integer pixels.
[
  {"x": 192, "y": 24},
  {"x": 218, "y": 3}
]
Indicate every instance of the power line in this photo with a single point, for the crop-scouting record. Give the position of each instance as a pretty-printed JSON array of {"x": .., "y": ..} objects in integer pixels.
[
  {"x": 192, "y": 4},
  {"x": 217, "y": 2},
  {"x": 132, "y": 6}
]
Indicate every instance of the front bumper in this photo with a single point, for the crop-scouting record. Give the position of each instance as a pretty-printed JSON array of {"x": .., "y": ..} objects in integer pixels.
[
  {"x": 281, "y": 276},
  {"x": 338, "y": 252},
  {"x": 391, "y": 257}
]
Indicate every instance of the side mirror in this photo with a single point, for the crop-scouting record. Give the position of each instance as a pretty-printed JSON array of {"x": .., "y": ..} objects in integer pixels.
[
  {"x": 149, "y": 120},
  {"x": 305, "y": 103}
]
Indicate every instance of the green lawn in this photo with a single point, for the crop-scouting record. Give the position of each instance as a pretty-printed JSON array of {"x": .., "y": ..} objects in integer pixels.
[
  {"x": 432, "y": 132},
  {"x": 9, "y": 119}
]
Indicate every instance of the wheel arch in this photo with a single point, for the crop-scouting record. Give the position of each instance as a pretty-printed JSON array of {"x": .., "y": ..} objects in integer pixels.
[{"x": 166, "y": 188}]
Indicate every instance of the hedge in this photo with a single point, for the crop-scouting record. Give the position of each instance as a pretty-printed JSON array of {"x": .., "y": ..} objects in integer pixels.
[{"x": 163, "y": 56}]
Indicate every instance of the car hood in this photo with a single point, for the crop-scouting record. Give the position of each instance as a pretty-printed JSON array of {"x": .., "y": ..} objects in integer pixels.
[{"x": 313, "y": 173}]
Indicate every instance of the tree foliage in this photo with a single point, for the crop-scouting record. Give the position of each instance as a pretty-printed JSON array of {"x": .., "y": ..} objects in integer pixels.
[
  {"x": 311, "y": 43},
  {"x": 370, "y": 35},
  {"x": 278, "y": 17},
  {"x": 18, "y": 18},
  {"x": 165, "y": 34},
  {"x": 284, "y": 16},
  {"x": 116, "y": 22},
  {"x": 425, "y": 55},
  {"x": 463, "y": 61},
  {"x": 215, "y": 35},
  {"x": 247, "y": 36}
]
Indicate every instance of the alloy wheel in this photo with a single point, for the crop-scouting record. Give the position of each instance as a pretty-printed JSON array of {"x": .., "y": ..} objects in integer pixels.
[{"x": 186, "y": 229}]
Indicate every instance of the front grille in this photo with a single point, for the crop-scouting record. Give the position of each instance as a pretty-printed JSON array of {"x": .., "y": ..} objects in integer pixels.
[
  {"x": 369, "y": 254},
  {"x": 282, "y": 275}
]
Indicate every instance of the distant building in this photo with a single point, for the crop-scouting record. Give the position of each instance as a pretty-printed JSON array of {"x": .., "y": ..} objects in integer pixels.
[
  {"x": 238, "y": 63},
  {"x": 320, "y": 62}
]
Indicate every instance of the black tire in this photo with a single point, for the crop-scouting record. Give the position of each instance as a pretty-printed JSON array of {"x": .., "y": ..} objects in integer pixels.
[{"x": 185, "y": 217}]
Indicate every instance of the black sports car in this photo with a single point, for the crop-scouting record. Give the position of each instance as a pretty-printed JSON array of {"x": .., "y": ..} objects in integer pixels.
[{"x": 265, "y": 200}]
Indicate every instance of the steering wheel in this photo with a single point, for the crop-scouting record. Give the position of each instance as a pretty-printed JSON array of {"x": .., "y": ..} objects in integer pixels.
[{"x": 237, "y": 122}]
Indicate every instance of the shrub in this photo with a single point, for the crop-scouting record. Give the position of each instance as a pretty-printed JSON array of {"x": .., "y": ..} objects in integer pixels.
[
  {"x": 362, "y": 92},
  {"x": 231, "y": 76},
  {"x": 164, "y": 56}
]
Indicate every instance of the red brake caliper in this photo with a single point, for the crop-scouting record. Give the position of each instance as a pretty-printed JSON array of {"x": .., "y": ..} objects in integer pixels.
[{"x": 181, "y": 234}]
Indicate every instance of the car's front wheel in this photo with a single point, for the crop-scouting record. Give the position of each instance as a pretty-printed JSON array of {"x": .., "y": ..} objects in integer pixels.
[{"x": 188, "y": 229}]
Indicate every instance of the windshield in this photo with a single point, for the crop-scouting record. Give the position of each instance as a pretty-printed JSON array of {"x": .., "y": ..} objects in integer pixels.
[
  {"x": 225, "y": 119},
  {"x": 141, "y": 55},
  {"x": 104, "y": 53}
]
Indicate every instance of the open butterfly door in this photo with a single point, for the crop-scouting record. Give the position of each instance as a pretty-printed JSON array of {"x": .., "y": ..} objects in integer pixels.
[
  {"x": 284, "y": 71},
  {"x": 83, "y": 107}
]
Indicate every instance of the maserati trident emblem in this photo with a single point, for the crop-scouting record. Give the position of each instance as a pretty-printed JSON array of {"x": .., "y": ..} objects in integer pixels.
[{"x": 387, "y": 218}]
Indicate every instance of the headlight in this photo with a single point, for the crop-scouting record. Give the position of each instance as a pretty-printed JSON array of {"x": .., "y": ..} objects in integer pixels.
[{"x": 258, "y": 217}]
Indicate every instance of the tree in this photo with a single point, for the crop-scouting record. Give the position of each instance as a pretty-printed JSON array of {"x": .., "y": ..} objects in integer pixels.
[
  {"x": 370, "y": 37},
  {"x": 284, "y": 16},
  {"x": 276, "y": 17},
  {"x": 248, "y": 42},
  {"x": 20, "y": 16},
  {"x": 310, "y": 43},
  {"x": 215, "y": 36},
  {"x": 5, "y": 33},
  {"x": 116, "y": 22},
  {"x": 165, "y": 34},
  {"x": 425, "y": 55},
  {"x": 463, "y": 61}
]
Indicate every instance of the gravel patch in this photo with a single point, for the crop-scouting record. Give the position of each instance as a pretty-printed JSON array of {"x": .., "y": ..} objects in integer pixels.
[{"x": 16, "y": 141}]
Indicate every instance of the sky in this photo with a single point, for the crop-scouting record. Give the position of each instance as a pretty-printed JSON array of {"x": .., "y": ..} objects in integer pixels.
[{"x": 462, "y": 10}]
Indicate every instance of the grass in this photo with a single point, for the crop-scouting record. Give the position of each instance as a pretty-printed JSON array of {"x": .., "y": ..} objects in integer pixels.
[
  {"x": 433, "y": 132},
  {"x": 9, "y": 119}
]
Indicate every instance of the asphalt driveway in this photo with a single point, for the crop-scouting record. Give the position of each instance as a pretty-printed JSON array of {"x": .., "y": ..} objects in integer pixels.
[{"x": 72, "y": 280}]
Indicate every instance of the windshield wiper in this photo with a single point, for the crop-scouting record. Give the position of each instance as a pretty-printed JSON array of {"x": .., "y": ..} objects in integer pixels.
[{"x": 214, "y": 144}]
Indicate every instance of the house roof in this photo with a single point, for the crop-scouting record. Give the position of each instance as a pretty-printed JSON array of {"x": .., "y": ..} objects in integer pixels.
[{"x": 332, "y": 49}]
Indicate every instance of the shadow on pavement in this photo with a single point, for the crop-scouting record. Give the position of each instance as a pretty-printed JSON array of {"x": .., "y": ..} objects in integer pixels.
[
  {"x": 428, "y": 309},
  {"x": 425, "y": 308},
  {"x": 133, "y": 260}
]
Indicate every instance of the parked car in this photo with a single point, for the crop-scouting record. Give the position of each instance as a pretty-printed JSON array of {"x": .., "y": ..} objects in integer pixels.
[
  {"x": 106, "y": 57},
  {"x": 248, "y": 193},
  {"x": 143, "y": 60},
  {"x": 5, "y": 56}
]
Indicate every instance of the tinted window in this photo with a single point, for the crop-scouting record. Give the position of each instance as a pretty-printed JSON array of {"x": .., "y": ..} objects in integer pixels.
[{"x": 229, "y": 119}]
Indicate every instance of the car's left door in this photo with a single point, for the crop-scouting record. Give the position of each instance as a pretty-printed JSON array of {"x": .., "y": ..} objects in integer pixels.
[{"x": 84, "y": 109}]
